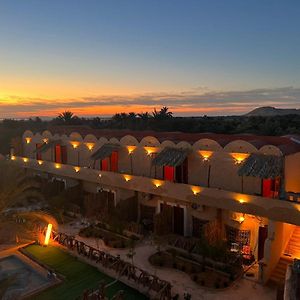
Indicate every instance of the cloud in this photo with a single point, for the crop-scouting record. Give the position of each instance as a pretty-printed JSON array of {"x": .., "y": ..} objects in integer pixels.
[{"x": 197, "y": 101}]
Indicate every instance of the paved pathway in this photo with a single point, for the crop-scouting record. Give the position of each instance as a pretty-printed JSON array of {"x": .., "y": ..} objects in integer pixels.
[{"x": 242, "y": 289}]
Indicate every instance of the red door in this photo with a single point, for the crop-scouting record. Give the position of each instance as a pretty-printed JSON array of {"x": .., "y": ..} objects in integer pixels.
[
  {"x": 58, "y": 154},
  {"x": 104, "y": 164},
  {"x": 114, "y": 162},
  {"x": 271, "y": 187},
  {"x": 169, "y": 173},
  {"x": 38, "y": 154},
  {"x": 64, "y": 158},
  {"x": 267, "y": 188}
]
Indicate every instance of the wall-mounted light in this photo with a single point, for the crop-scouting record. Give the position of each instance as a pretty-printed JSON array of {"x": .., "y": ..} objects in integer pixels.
[
  {"x": 150, "y": 150},
  {"x": 25, "y": 159},
  {"x": 40, "y": 162},
  {"x": 75, "y": 144},
  {"x": 239, "y": 157},
  {"x": 90, "y": 146},
  {"x": 28, "y": 140},
  {"x": 127, "y": 177},
  {"x": 205, "y": 154},
  {"x": 241, "y": 219},
  {"x": 76, "y": 169},
  {"x": 13, "y": 157},
  {"x": 45, "y": 141},
  {"x": 196, "y": 190},
  {"x": 157, "y": 183},
  {"x": 57, "y": 166},
  {"x": 131, "y": 149},
  {"x": 100, "y": 175}
]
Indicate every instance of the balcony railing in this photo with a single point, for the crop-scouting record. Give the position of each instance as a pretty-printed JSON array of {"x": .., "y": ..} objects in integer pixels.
[{"x": 185, "y": 194}]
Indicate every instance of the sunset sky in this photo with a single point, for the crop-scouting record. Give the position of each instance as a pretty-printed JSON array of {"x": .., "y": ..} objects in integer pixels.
[{"x": 99, "y": 57}]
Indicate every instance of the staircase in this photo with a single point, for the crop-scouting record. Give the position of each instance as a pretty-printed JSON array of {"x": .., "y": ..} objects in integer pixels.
[
  {"x": 292, "y": 251},
  {"x": 278, "y": 274},
  {"x": 293, "y": 247}
]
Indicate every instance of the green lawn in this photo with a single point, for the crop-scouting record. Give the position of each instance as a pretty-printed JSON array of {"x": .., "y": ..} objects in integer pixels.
[{"x": 79, "y": 275}]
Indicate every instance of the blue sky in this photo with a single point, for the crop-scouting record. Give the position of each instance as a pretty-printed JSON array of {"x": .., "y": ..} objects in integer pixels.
[{"x": 56, "y": 53}]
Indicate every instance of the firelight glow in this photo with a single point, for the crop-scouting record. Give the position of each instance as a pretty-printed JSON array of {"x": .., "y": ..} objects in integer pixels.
[{"x": 48, "y": 234}]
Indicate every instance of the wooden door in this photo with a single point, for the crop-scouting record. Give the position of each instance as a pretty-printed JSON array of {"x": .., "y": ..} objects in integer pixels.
[
  {"x": 178, "y": 220},
  {"x": 262, "y": 236}
]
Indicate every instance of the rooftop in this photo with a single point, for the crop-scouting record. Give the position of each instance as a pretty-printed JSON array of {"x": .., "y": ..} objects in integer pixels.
[{"x": 287, "y": 144}]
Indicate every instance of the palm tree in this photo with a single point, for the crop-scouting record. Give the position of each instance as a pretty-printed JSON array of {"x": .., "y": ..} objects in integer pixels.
[
  {"x": 144, "y": 116},
  {"x": 162, "y": 114},
  {"x": 66, "y": 117},
  {"x": 15, "y": 187}
]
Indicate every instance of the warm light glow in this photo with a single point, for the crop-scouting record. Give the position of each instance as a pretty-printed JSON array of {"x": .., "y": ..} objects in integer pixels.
[
  {"x": 130, "y": 149},
  {"x": 40, "y": 162},
  {"x": 76, "y": 169},
  {"x": 46, "y": 141},
  {"x": 242, "y": 201},
  {"x": 239, "y": 157},
  {"x": 25, "y": 159},
  {"x": 57, "y": 166},
  {"x": 90, "y": 146},
  {"x": 100, "y": 175},
  {"x": 48, "y": 233},
  {"x": 157, "y": 183},
  {"x": 127, "y": 177},
  {"x": 75, "y": 144},
  {"x": 150, "y": 150},
  {"x": 28, "y": 140},
  {"x": 13, "y": 157},
  {"x": 241, "y": 219},
  {"x": 205, "y": 154},
  {"x": 196, "y": 190}
]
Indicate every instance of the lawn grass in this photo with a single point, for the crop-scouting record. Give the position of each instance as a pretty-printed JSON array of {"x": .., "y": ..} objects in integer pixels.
[{"x": 79, "y": 276}]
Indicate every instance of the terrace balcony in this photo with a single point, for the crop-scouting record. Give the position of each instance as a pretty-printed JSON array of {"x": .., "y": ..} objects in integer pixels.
[{"x": 185, "y": 194}]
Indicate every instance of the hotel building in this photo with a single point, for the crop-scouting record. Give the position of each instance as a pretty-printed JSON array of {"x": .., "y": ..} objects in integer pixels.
[{"x": 245, "y": 188}]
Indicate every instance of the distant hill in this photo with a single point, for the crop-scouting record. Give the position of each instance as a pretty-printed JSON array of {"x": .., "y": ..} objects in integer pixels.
[{"x": 269, "y": 111}]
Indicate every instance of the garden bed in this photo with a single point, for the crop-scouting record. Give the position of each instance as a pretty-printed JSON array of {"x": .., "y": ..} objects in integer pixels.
[
  {"x": 110, "y": 238},
  {"x": 202, "y": 273}
]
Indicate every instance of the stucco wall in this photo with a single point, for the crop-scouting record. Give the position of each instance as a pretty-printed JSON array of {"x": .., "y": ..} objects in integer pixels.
[
  {"x": 223, "y": 168},
  {"x": 292, "y": 173},
  {"x": 278, "y": 237}
]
